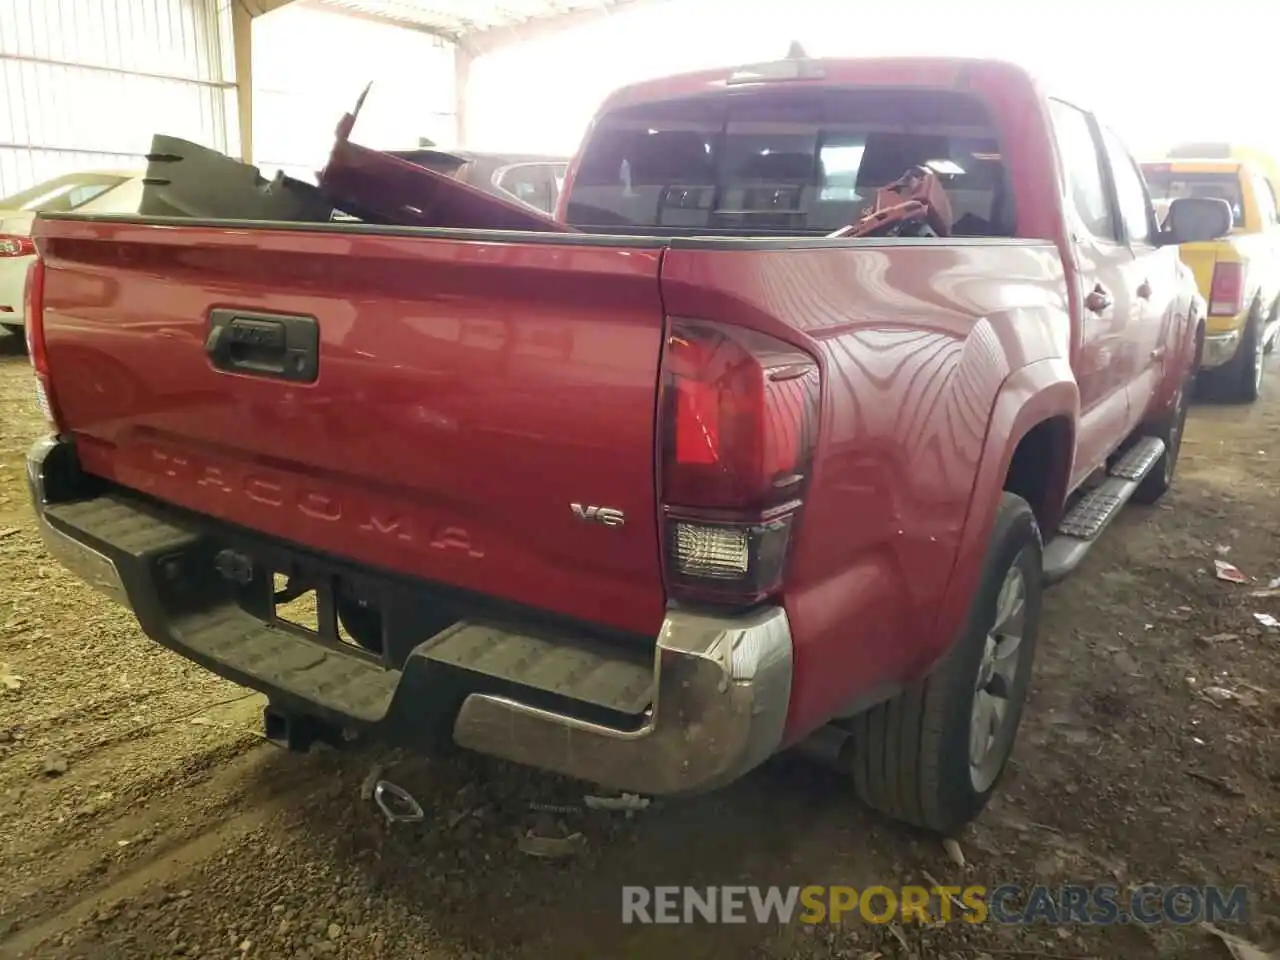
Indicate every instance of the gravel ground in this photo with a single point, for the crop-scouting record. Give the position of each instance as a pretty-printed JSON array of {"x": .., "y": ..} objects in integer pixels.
[{"x": 143, "y": 816}]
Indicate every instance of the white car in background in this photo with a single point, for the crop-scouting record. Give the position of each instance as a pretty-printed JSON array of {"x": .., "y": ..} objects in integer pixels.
[{"x": 101, "y": 191}]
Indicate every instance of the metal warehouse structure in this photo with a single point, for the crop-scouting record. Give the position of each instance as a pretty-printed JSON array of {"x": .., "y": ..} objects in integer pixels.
[
  {"x": 70, "y": 72},
  {"x": 84, "y": 83}
]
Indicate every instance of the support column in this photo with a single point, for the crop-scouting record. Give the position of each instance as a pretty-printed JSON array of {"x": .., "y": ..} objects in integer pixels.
[
  {"x": 242, "y": 45},
  {"x": 462, "y": 59}
]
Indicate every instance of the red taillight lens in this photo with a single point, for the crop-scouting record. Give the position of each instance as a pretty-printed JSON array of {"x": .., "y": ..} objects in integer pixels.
[
  {"x": 12, "y": 246},
  {"x": 738, "y": 426},
  {"x": 36, "y": 348},
  {"x": 1226, "y": 293}
]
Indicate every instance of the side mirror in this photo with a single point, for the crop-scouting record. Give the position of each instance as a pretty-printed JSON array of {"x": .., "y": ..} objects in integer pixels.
[{"x": 1197, "y": 219}]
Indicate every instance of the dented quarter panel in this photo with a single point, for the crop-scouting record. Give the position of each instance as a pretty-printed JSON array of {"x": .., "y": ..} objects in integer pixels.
[{"x": 917, "y": 341}]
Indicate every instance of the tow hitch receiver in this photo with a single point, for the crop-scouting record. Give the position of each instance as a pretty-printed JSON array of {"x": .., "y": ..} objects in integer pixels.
[{"x": 297, "y": 731}]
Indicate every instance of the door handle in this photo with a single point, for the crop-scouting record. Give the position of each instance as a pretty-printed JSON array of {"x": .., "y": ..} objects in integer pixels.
[
  {"x": 1098, "y": 299},
  {"x": 1144, "y": 290}
]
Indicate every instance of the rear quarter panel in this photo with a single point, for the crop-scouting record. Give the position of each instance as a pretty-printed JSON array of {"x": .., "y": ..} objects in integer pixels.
[{"x": 921, "y": 345}]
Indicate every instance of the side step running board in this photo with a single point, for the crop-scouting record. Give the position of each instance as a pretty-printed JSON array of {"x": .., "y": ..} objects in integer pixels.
[{"x": 1093, "y": 512}]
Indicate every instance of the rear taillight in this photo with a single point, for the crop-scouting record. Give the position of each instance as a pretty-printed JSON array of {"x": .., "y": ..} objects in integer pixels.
[
  {"x": 738, "y": 426},
  {"x": 36, "y": 349},
  {"x": 1226, "y": 293},
  {"x": 11, "y": 246}
]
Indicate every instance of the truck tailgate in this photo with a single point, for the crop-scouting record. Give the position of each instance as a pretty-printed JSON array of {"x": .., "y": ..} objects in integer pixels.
[{"x": 469, "y": 392}]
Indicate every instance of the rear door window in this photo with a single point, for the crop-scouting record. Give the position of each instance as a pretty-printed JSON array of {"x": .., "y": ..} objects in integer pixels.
[
  {"x": 1131, "y": 194},
  {"x": 787, "y": 161},
  {"x": 1082, "y": 164},
  {"x": 1266, "y": 201}
]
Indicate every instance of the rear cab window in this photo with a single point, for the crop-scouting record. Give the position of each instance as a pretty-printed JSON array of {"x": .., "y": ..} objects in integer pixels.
[
  {"x": 787, "y": 161},
  {"x": 1167, "y": 183}
]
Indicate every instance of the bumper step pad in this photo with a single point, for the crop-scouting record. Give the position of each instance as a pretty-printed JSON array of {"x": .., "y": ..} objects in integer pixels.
[
  {"x": 121, "y": 524},
  {"x": 266, "y": 656},
  {"x": 611, "y": 676}
]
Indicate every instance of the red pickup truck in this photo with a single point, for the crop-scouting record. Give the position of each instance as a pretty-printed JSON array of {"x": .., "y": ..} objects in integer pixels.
[{"x": 771, "y": 438}]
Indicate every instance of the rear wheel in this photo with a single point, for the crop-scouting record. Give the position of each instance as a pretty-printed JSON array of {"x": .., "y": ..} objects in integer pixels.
[
  {"x": 1157, "y": 483},
  {"x": 933, "y": 755},
  {"x": 361, "y": 621},
  {"x": 1240, "y": 380}
]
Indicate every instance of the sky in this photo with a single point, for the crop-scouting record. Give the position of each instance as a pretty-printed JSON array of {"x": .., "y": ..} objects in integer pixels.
[{"x": 1156, "y": 72}]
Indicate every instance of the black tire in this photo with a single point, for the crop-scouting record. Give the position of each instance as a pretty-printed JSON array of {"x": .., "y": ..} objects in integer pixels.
[
  {"x": 911, "y": 756},
  {"x": 1240, "y": 380},
  {"x": 1157, "y": 483},
  {"x": 362, "y": 622}
]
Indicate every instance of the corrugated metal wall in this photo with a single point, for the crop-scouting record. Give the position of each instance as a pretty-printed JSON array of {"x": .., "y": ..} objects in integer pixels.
[
  {"x": 309, "y": 66},
  {"x": 85, "y": 83}
]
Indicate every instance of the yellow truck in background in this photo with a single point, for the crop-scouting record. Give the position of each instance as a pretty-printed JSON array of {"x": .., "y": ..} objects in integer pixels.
[
  {"x": 1239, "y": 274},
  {"x": 1260, "y": 159}
]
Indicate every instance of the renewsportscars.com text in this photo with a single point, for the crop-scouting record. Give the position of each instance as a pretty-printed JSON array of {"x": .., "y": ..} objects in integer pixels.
[{"x": 1095, "y": 905}]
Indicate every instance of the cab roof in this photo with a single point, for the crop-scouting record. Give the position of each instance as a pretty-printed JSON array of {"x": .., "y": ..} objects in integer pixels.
[{"x": 929, "y": 72}]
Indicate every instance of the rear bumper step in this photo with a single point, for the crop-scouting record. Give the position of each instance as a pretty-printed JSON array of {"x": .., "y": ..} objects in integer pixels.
[{"x": 707, "y": 704}]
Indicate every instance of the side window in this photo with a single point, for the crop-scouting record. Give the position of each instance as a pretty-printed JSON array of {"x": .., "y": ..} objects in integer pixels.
[
  {"x": 530, "y": 183},
  {"x": 85, "y": 192},
  {"x": 555, "y": 176},
  {"x": 1131, "y": 192},
  {"x": 1266, "y": 200},
  {"x": 1083, "y": 169}
]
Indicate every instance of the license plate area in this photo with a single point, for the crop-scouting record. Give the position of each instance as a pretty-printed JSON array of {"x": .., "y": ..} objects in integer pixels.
[
  {"x": 359, "y": 612},
  {"x": 321, "y": 606}
]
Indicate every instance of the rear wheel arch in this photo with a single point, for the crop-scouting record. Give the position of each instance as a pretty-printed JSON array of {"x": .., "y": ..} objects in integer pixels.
[
  {"x": 1039, "y": 468},
  {"x": 1045, "y": 391}
]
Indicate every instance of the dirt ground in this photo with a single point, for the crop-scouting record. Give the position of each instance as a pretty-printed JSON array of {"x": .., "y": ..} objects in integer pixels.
[{"x": 141, "y": 814}]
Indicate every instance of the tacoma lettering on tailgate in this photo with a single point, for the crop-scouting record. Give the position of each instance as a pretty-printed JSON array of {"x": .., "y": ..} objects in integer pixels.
[{"x": 266, "y": 488}]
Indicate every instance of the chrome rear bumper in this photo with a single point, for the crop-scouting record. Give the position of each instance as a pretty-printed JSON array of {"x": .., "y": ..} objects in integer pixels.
[
  {"x": 1219, "y": 348},
  {"x": 722, "y": 689},
  {"x": 89, "y": 565}
]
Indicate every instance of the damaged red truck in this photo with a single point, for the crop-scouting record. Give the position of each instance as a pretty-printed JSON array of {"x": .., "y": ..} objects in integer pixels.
[{"x": 736, "y": 454}]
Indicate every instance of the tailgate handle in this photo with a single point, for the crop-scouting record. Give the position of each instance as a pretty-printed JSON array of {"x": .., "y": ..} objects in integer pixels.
[{"x": 274, "y": 345}]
